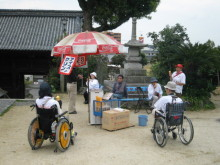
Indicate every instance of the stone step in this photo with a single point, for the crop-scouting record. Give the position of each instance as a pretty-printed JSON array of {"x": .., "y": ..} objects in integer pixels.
[
  {"x": 136, "y": 79},
  {"x": 131, "y": 72}
]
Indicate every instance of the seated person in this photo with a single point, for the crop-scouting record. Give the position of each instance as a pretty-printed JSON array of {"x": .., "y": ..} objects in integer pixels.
[
  {"x": 160, "y": 105},
  {"x": 45, "y": 99},
  {"x": 119, "y": 88},
  {"x": 93, "y": 84},
  {"x": 154, "y": 91}
]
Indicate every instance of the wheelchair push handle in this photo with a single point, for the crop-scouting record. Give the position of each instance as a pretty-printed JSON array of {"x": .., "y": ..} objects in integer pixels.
[
  {"x": 62, "y": 114},
  {"x": 33, "y": 106}
]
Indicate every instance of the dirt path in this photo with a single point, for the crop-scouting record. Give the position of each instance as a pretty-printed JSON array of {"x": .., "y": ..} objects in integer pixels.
[{"x": 94, "y": 146}]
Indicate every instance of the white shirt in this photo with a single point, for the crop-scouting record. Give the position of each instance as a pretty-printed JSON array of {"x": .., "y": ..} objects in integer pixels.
[
  {"x": 161, "y": 103},
  {"x": 93, "y": 84},
  {"x": 152, "y": 90},
  {"x": 181, "y": 78},
  {"x": 47, "y": 102}
]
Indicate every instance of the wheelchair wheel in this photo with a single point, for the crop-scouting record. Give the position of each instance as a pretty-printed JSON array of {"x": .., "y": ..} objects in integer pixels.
[
  {"x": 160, "y": 132},
  {"x": 35, "y": 136},
  {"x": 186, "y": 131},
  {"x": 63, "y": 134}
]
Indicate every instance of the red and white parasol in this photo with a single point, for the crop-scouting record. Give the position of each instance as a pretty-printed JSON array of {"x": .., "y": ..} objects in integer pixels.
[
  {"x": 87, "y": 43},
  {"x": 75, "y": 48}
]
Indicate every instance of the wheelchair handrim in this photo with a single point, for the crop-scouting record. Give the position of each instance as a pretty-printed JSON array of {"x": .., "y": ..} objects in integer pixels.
[
  {"x": 32, "y": 133},
  {"x": 63, "y": 135},
  {"x": 64, "y": 138},
  {"x": 186, "y": 129}
]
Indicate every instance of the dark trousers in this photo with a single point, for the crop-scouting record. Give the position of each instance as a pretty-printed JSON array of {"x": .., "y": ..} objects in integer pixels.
[
  {"x": 179, "y": 94},
  {"x": 86, "y": 96}
]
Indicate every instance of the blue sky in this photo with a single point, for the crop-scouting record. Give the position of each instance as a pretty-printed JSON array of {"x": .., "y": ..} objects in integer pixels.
[{"x": 200, "y": 17}]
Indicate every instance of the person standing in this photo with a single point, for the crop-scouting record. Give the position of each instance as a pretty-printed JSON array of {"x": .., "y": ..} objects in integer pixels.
[
  {"x": 72, "y": 90},
  {"x": 179, "y": 78},
  {"x": 154, "y": 91},
  {"x": 92, "y": 84}
]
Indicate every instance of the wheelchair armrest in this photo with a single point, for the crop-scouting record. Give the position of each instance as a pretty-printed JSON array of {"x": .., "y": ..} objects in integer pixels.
[{"x": 62, "y": 114}]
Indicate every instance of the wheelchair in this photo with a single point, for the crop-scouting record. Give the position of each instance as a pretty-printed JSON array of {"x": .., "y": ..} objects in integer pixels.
[
  {"x": 173, "y": 119},
  {"x": 143, "y": 100},
  {"x": 40, "y": 129}
]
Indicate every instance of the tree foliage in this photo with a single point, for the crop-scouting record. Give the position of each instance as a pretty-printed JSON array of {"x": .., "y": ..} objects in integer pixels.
[
  {"x": 118, "y": 59},
  {"x": 201, "y": 63},
  {"x": 143, "y": 59},
  {"x": 109, "y": 14},
  {"x": 98, "y": 64}
]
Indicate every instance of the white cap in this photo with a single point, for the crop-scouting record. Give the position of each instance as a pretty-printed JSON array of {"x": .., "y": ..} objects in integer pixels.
[
  {"x": 94, "y": 74},
  {"x": 171, "y": 85}
]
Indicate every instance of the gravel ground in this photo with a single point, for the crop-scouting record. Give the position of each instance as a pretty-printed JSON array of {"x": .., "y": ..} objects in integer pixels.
[{"x": 95, "y": 146}]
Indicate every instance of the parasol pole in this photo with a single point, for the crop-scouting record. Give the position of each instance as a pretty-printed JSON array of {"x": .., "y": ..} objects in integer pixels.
[
  {"x": 62, "y": 78},
  {"x": 88, "y": 92}
]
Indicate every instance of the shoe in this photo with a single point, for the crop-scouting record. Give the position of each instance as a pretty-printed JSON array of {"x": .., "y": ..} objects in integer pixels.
[
  {"x": 74, "y": 112},
  {"x": 152, "y": 130},
  {"x": 85, "y": 102}
]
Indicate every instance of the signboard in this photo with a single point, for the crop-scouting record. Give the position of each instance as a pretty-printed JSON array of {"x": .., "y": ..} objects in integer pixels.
[
  {"x": 67, "y": 64},
  {"x": 81, "y": 61}
]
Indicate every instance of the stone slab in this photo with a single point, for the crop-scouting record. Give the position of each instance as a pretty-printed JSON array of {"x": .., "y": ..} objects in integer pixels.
[
  {"x": 5, "y": 103},
  {"x": 134, "y": 66},
  {"x": 133, "y": 59},
  {"x": 131, "y": 72},
  {"x": 136, "y": 79}
]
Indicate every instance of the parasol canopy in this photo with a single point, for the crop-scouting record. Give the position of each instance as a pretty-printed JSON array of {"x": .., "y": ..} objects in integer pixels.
[{"x": 87, "y": 43}]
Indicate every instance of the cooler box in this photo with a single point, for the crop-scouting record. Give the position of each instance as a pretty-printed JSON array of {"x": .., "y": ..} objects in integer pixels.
[{"x": 114, "y": 120}]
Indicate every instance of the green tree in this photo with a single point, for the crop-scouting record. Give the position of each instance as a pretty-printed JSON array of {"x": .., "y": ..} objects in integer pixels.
[
  {"x": 201, "y": 63},
  {"x": 98, "y": 64},
  {"x": 53, "y": 76},
  {"x": 143, "y": 59},
  {"x": 166, "y": 42},
  {"x": 118, "y": 59},
  {"x": 109, "y": 14}
]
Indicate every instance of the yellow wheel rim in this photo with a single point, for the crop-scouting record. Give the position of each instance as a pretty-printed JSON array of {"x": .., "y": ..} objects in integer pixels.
[{"x": 64, "y": 135}]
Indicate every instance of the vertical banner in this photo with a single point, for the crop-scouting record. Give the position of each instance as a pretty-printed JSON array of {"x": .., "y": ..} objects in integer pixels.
[
  {"x": 67, "y": 64},
  {"x": 81, "y": 60}
]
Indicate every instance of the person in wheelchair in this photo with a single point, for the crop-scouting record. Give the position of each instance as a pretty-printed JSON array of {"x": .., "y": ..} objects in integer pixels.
[
  {"x": 160, "y": 105},
  {"x": 169, "y": 115},
  {"x": 45, "y": 99},
  {"x": 50, "y": 122},
  {"x": 154, "y": 91}
]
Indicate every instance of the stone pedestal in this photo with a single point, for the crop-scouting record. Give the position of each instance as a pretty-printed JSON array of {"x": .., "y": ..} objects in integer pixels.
[{"x": 133, "y": 72}]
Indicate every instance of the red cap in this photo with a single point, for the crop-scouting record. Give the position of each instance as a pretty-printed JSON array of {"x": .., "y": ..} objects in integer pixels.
[{"x": 179, "y": 66}]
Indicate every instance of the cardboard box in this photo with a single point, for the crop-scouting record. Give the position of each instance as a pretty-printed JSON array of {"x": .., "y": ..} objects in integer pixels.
[
  {"x": 107, "y": 96},
  {"x": 113, "y": 120}
]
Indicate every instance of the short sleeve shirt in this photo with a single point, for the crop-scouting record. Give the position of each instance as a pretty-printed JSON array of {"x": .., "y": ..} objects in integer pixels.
[{"x": 180, "y": 78}]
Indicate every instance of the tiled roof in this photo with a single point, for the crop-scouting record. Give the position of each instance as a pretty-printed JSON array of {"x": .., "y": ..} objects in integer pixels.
[{"x": 36, "y": 29}]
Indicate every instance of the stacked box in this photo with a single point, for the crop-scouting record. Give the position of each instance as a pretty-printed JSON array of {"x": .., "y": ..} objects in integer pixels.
[{"x": 114, "y": 120}]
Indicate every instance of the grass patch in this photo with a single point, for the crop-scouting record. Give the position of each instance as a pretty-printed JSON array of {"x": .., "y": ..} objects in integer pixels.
[{"x": 21, "y": 100}]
